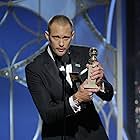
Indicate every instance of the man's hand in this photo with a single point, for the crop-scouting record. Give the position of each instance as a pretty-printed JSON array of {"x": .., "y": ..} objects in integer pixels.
[
  {"x": 84, "y": 94},
  {"x": 97, "y": 73}
]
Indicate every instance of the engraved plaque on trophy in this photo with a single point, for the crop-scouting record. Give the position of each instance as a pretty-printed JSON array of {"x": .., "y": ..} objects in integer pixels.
[{"x": 93, "y": 57}]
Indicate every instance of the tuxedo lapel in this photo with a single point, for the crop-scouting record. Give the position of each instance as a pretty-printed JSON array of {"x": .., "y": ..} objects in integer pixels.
[
  {"x": 51, "y": 68},
  {"x": 76, "y": 66},
  {"x": 79, "y": 61}
]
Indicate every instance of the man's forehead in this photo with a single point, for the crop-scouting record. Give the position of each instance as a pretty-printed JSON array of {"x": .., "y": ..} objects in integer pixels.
[
  {"x": 60, "y": 28},
  {"x": 61, "y": 24}
]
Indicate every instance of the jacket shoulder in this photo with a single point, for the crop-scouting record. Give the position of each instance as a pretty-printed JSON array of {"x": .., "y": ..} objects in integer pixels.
[
  {"x": 80, "y": 52},
  {"x": 80, "y": 48},
  {"x": 36, "y": 63}
]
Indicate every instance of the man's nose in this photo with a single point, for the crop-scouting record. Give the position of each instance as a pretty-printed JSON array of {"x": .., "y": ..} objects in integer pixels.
[{"x": 61, "y": 42}]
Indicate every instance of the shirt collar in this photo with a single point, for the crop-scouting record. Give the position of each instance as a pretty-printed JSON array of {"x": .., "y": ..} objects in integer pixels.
[{"x": 50, "y": 52}]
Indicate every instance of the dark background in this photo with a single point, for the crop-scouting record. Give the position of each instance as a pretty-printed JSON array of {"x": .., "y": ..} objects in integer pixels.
[{"x": 133, "y": 68}]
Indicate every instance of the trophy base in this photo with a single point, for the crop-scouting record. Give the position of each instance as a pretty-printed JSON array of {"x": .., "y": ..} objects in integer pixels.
[{"x": 91, "y": 84}]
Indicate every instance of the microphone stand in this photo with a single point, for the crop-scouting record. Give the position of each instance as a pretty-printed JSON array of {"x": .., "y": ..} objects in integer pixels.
[
  {"x": 64, "y": 95},
  {"x": 64, "y": 61}
]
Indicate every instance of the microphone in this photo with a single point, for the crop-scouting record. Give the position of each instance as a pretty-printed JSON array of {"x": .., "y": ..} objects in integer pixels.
[{"x": 64, "y": 60}]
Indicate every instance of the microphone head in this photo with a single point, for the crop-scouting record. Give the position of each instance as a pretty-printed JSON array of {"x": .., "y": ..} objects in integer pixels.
[{"x": 65, "y": 59}]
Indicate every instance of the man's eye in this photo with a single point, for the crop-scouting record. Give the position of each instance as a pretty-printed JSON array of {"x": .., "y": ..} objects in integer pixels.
[
  {"x": 66, "y": 38},
  {"x": 56, "y": 37}
]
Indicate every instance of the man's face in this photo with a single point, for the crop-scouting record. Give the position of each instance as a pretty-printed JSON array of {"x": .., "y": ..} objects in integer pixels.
[{"x": 60, "y": 37}]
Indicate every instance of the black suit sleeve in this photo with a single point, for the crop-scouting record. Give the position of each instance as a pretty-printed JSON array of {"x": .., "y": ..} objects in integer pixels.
[
  {"x": 50, "y": 111},
  {"x": 108, "y": 91}
]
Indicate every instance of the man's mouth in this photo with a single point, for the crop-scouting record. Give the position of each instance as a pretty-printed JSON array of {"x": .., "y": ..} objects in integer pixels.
[{"x": 61, "y": 50}]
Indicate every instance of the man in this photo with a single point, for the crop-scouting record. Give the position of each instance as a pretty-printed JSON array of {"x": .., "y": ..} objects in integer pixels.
[{"x": 66, "y": 109}]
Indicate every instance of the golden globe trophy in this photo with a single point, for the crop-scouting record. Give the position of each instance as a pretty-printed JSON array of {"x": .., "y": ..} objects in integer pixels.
[{"x": 93, "y": 58}]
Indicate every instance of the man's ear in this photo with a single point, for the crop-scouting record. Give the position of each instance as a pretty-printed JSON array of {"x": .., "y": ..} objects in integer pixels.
[
  {"x": 73, "y": 33},
  {"x": 47, "y": 35}
]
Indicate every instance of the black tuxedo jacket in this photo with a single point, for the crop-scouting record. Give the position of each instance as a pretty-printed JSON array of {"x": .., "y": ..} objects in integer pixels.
[{"x": 46, "y": 87}]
